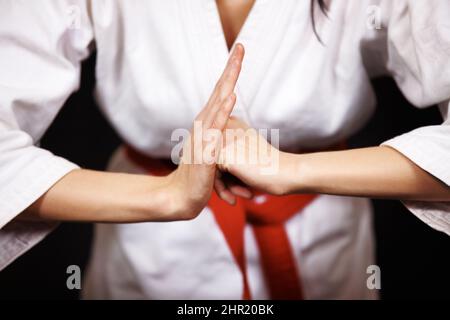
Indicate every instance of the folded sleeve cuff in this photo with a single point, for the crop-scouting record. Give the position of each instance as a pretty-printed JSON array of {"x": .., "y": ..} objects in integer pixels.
[
  {"x": 433, "y": 157},
  {"x": 31, "y": 183},
  {"x": 16, "y": 237},
  {"x": 434, "y": 214}
]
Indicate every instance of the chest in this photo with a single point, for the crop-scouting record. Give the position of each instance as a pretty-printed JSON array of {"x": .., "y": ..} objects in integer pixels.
[
  {"x": 233, "y": 15},
  {"x": 158, "y": 68}
]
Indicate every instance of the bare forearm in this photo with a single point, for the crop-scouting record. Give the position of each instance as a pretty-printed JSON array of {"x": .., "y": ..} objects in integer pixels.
[
  {"x": 91, "y": 196},
  {"x": 379, "y": 172}
]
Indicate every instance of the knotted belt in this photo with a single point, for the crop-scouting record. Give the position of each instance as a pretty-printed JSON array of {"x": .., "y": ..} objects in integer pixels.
[{"x": 267, "y": 215}]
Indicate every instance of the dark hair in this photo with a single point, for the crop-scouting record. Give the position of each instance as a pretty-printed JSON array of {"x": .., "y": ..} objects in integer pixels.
[{"x": 323, "y": 8}]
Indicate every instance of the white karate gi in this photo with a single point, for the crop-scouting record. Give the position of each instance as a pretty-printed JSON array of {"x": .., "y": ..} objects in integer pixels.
[{"x": 157, "y": 63}]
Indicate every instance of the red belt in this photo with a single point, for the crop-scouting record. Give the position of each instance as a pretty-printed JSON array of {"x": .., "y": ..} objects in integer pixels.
[{"x": 267, "y": 214}]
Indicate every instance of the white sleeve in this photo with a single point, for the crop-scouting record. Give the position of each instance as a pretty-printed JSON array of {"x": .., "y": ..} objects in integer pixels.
[
  {"x": 42, "y": 44},
  {"x": 419, "y": 60}
]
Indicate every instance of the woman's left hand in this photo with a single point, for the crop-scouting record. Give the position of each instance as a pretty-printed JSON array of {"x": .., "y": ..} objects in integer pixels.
[
  {"x": 249, "y": 157},
  {"x": 376, "y": 172}
]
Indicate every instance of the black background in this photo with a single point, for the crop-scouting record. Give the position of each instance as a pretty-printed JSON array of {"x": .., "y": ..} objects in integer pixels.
[{"x": 413, "y": 257}]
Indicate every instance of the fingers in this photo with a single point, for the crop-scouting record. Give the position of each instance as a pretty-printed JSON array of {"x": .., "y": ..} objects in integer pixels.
[
  {"x": 229, "y": 187},
  {"x": 237, "y": 123},
  {"x": 213, "y": 135},
  {"x": 229, "y": 193},
  {"x": 221, "y": 117},
  {"x": 222, "y": 191},
  {"x": 230, "y": 75},
  {"x": 225, "y": 86},
  {"x": 240, "y": 191}
]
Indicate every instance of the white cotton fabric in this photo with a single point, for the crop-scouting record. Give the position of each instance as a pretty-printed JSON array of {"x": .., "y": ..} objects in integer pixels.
[{"x": 157, "y": 62}]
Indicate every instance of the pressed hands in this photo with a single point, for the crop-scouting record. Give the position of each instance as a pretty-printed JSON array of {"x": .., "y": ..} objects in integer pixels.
[{"x": 208, "y": 160}]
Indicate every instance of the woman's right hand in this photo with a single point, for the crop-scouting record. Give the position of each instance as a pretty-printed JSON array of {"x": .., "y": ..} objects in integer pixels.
[
  {"x": 94, "y": 196},
  {"x": 191, "y": 184}
]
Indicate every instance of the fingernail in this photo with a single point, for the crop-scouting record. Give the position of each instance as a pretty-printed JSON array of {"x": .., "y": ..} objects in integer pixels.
[
  {"x": 235, "y": 50},
  {"x": 236, "y": 47}
]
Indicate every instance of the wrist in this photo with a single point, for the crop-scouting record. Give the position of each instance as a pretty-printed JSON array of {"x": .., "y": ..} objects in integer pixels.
[
  {"x": 297, "y": 173},
  {"x": 157, "y": 199},
  {"x": 171, "y": 197},
  {"x": 176, "y": 199}
]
